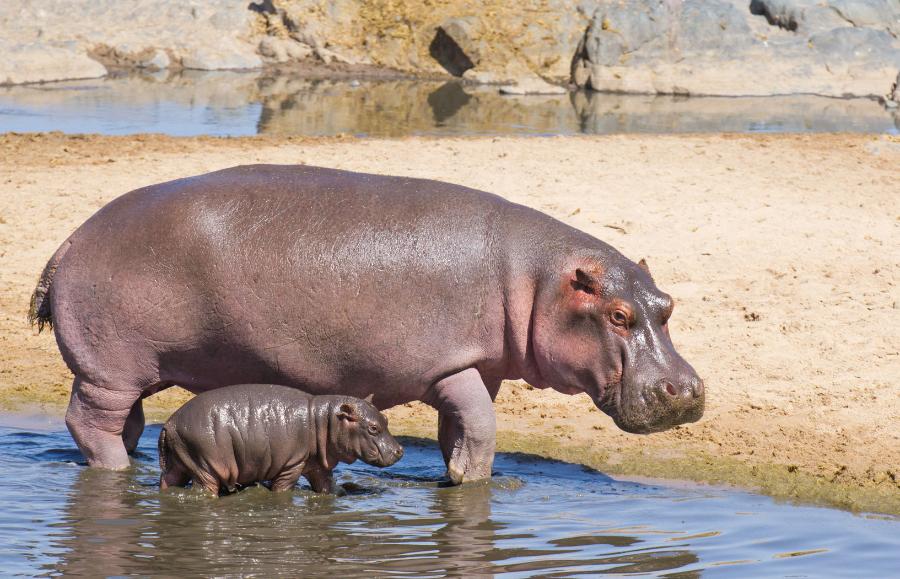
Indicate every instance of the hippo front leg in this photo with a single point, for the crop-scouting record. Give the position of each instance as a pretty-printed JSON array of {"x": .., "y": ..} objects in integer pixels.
[
  {"x": 321, "y": 480},
  {"x": 467, "y": 427}
]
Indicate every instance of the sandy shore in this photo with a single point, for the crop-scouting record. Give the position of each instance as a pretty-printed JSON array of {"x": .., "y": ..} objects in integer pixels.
[{"x": 782, "y": 253}]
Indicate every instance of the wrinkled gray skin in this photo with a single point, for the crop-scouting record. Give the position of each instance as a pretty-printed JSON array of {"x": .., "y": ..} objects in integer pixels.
[
  {"x": 250, "y": 433},
  {"x": 334, "y": 281}
]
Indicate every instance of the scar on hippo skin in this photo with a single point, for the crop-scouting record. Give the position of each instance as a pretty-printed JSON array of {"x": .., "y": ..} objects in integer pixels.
[{"x": 235, "y": 436}]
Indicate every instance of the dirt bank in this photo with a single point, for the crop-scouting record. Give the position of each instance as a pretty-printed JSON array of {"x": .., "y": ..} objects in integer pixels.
[{"x": 782, "y": 253}]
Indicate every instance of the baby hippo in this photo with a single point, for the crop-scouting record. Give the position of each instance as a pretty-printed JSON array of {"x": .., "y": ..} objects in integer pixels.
[{"x": 249, "y": 433}]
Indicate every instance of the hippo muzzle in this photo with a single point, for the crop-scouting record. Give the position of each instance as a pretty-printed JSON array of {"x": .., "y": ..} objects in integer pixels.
[
  {"x": 653, "y": 397},
  {"x": 386, "y": 453}
]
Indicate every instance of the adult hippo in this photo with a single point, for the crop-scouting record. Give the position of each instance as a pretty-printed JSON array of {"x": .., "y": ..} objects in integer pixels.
[{"x": 332, "y": 282}]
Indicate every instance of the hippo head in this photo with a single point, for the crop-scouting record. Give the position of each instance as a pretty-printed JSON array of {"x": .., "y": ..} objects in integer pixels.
[
  {"x": 363, "y": 433},
  {"x": 604, "y": 331}
]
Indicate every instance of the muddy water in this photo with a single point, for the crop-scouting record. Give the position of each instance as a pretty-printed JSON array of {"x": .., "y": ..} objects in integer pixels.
[
  {"x": 246, "y": 104},
  {"x": 535, "y": 518}
]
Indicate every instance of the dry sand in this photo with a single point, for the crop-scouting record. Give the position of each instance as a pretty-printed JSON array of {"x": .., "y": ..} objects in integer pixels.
[{"x": 782, "y": 253}]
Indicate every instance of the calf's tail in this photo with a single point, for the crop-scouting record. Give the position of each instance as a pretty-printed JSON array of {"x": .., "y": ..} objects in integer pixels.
[
  {"x": 39, "y": 312},
  {"x": 164, "y": 459}
]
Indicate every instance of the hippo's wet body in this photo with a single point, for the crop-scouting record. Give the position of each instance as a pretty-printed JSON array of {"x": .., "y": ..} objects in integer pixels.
[
  {"x": 247, "y": 433},
  {"x": 335, "y": 281}
]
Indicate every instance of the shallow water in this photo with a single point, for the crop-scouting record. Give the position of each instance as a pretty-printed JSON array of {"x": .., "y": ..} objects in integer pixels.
[
  {"x": 535, "y": 518},
  {"x": 228, "y": 103}
]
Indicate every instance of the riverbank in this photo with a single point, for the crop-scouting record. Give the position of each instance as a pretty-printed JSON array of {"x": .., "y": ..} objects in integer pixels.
[{"x": 781, "y": 252}]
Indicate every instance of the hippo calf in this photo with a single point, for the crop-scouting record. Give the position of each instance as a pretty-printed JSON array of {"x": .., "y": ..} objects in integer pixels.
[
  {"x": 250, "y": 433},
  {"x": 333, "y": 281}
]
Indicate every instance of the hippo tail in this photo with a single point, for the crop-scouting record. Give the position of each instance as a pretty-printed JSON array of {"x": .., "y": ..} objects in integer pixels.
[
  {"x": 39, "y": 311},
  {"x": 165, "y": 460}
]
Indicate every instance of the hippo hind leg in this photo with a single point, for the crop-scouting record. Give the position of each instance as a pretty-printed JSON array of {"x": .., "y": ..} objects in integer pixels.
[
  {"x": 96, "y": 419},
  {"x": 175, "y": 476},
  {"x": 467, "y": 427},
  {"x": 286, "y": 480}
]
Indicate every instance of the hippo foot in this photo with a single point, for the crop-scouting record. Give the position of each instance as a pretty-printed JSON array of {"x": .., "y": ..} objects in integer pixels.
[
  {"x": 96, "y": 418},
  {"x": 466, "y": 426}
]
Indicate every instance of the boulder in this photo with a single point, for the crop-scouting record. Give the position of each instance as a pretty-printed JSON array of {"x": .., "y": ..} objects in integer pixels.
[
  {"x": 39, "y": 62},
  {"x": 59, "y": 39},
  {"x": 727, "y": 48},
  {"x": 157, "y": 60}
]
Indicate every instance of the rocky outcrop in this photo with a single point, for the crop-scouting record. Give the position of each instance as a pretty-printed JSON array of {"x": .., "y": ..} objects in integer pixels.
[
  {"x": 725, "y": 47},
  {"x": 708, "y": 47},
  {"x": 35, "y": 62},
  {"x": 60, "y": 39}
]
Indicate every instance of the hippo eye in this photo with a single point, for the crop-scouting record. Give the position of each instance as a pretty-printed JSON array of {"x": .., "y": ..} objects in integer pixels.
[
  {"x": 373, "y": 429},
  {"x": 619, "y": 318}
]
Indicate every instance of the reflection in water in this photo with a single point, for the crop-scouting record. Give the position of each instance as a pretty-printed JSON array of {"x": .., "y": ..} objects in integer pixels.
[
  {"x": 466, "y": 539},
  {"x": 229, "y": 103},
  {"x": 100, "y": 529},
  {"x": 536, "y": 517}
]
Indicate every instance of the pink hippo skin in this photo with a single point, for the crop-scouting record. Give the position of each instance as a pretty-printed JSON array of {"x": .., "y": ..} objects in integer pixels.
[{"x": 332, "y": 281}]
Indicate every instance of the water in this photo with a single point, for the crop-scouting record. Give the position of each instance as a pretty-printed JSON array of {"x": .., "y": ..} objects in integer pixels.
[
  {"x": 535, "y": 518},
  {"x": 232, "y": 104}
]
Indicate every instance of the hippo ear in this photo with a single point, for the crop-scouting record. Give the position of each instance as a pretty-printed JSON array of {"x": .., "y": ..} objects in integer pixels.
[
  {"x": 370, "y": 398},
  {"x": 347, "y": 412},
  {"x": 586, "y": 282},
  {"x": 643, "y": 265}
]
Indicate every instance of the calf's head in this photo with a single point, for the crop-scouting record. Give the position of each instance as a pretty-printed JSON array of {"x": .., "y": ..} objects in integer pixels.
[
  {"x": 361, "y": 431},
  {"x": 603, "y": 329}
]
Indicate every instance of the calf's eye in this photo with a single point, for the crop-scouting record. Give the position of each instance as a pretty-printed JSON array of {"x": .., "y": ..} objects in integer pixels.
[{"x": 373, "y": 429}]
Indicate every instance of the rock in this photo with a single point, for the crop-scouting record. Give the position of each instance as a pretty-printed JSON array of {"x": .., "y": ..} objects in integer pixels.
[
  {"x": 203, "y": 34},
  {"x": 280, "y": 50},
  {"x": 892, "y": 99},
  {"x": 487, "y": 76},
  {"x": 786, "y": 14},
  {"x": 159, "y": 60},
  {"x": 222, "y": 57},
  {"x": 878, "y": 14},
  {"x": 453, "y": 47},
  {"x": 39, "y": 62},
  {"x": 857, "y": 45},
  {"x": 532, "y": 85},
  {"x": 717, "y": 47},
  {"x": 467, "y": 35},
  {"x": 619, "y": 29}
]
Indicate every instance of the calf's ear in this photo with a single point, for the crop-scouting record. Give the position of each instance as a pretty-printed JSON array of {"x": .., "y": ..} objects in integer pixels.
[
  {"x": 347, "y": 412},
  {"x": 643, "y": 265},
  {"x": 370, "y": 398}
]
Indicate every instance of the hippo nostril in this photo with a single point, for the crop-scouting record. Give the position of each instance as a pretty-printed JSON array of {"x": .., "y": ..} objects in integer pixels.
[
  {"x": 697, "y": 388},
  {"x": 668, "y": 387}
]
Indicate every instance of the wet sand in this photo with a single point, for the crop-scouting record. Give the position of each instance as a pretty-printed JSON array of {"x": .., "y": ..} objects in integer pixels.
[{"x": 782, "y": 253}]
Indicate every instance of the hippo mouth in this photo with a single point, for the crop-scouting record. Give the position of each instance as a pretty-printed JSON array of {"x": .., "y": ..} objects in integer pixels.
[
  {"x": 379, "y": 458},
  {"x": 609, "y": 398},
  {"x": 373, "y": 458},
  {"x": 642, "y": 413}
]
